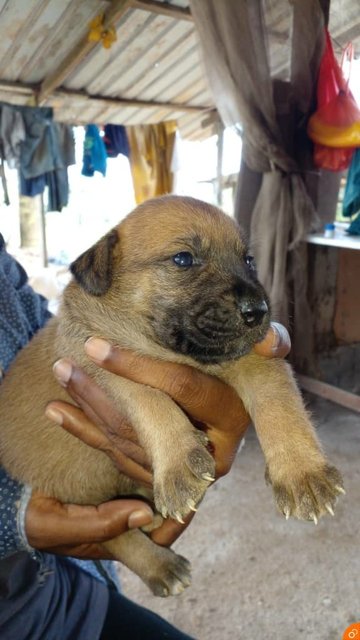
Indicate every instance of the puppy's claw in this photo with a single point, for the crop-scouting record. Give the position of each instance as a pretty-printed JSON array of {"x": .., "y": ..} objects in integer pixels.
[
  {"x": 178, "y": 517},
  {"x": 164, "y": 512},
  {"x": 208, "y": 477},
  {"x": 340, "y": 489},
  {"x": 313, "y": 517},
  {"x": 191, "y": 505},
  {"x": 287, "y": 513},
  {"x": 329, "y": 508}
]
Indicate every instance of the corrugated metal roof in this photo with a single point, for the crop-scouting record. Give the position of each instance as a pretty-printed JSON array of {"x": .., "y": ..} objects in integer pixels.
[{"x": 154, "y": 60}]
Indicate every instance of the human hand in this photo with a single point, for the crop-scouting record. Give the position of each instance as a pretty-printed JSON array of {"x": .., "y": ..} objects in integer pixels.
[
  {"x": 78, "y": 531},
  {"x": 202, "y": 397},
  {"x": 75, "y": 530}
]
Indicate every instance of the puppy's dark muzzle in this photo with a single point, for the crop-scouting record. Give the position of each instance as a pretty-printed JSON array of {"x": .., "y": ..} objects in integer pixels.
[{"x": 253, "y": 313}]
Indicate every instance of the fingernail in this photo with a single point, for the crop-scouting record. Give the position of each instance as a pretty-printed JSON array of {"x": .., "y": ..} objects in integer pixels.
[
  {"x": 139, "y": 518},
  {"x": 62, "y": 370},
  {"x": 54, "y": 415},
  {"x": 97, "y": 348},
  {"x": 279, "y": 332}
]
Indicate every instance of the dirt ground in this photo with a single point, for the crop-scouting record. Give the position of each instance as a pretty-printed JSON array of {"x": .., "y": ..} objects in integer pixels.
[{"x": 256, "y": 575}]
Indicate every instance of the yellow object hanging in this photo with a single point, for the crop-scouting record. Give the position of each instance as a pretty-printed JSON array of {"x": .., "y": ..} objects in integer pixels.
[
  {"x": 151, "y": 152},
  {"x": 97, "y": 33}
]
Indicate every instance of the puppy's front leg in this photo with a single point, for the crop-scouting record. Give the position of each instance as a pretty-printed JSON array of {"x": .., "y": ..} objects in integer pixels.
[
  {"x": 164, "y": 571},
  {"x": 183, "y": 468},
  {"x": 305, "y": 485}
]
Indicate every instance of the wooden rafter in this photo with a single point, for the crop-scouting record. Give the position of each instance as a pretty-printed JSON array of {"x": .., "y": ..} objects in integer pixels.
[
  {"x": 129, "y": 102},
  {"x": 114, "y": 12},
  {"x": 163, "y": 8},
  {"x": 30, "y": 90}
]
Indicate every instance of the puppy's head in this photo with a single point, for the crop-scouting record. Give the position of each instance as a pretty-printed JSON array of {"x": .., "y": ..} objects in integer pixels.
[{"x": 181, "y": 272}]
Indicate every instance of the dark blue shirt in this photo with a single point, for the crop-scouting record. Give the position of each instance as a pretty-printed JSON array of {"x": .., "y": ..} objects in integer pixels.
[{"x": 42, "y": 596}]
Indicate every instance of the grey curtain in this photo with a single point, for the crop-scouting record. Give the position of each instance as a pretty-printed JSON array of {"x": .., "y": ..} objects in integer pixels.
[{"x": 261, "y": 59}]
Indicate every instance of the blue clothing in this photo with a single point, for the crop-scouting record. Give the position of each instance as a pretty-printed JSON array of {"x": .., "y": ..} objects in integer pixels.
[
  {"x": 94, "y": 158},
  {"x": 22, "y": 312},
  {"x": 49, "y": 599},
  {"x": 67, "y": 597},
  {"x": 31, "y": 187},
  {"x": 116, "y": 140}
]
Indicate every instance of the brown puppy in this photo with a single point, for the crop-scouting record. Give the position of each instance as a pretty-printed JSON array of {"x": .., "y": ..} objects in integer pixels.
[{"x": 174, "y": 280}]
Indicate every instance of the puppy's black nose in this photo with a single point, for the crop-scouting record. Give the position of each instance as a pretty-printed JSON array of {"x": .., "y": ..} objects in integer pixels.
[{"x": 253, "y": 312}]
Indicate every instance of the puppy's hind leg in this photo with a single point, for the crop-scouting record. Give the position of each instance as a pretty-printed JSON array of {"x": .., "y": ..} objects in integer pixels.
[{"x": 163, "y": 571}]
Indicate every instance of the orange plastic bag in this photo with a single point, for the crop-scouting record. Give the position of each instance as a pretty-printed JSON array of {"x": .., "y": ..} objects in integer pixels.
[
  {"x": 332, "y": 159},
  {"x": 337, "y": 119}
]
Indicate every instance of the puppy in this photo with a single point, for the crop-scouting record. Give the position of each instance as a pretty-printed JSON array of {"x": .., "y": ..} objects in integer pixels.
[{"x": 174, "y": 281}]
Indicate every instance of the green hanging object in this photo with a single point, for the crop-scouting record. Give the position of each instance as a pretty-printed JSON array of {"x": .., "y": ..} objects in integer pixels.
[
  {"x": 351, "y": 202},
  {"x": 354, "y": 229}
]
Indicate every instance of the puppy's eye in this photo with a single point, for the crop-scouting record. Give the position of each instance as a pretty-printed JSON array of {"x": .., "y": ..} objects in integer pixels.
[
  {"x": 183, "y": 259},
  {"x": 250, "y": 261}
]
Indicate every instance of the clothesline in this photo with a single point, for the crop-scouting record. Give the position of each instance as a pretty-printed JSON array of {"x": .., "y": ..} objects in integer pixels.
[{"x": 42, "y": 150}]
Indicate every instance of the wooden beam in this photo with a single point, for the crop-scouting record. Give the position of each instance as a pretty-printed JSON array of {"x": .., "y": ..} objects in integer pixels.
[
  {"x": 29, "y": 90},
  {"x": 129, "y": 102},
  {"x": 163, "y": 8},
  {"x": 112, "y": 14},
  {"x": 329, "y": 392}
]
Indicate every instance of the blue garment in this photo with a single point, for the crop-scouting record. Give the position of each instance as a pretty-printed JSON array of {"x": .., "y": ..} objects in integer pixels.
[
  {"x": 37, "y": 587},
  {"x": 22, "y": 312},
  {"x": 49, "y": 599},
  {"x": 116, "y": 140},
  {"x": 351, "y": 202},
  {"x": 58, "y": 195},
  {"x": 31, "y": 187},
  {"x": 94, "y": 158}
]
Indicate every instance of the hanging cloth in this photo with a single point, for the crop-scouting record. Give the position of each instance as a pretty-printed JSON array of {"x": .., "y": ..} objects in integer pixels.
[
  {"x": 94, "y": 158},
  {"x": 116, "y": 140},
  {"x": 12, "y": 134},
  {"x": 351, "y": 202},
  {"x": 151, "y": 152}
]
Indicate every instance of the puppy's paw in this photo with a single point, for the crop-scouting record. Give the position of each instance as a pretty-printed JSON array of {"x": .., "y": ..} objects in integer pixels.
[
  {"x": 309, "y": 495},
  {"x": 180, "y": 487},
  {"x": 172, "y": 576}
]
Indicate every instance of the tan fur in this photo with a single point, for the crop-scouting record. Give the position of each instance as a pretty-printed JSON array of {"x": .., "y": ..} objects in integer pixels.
[{"x": 127, "y": 290}]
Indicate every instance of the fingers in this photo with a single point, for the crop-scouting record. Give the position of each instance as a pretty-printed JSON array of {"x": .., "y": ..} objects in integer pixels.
[
  {"x": 128, "y": 457},
  {"x": 170, "y": 530},
  {"x": 202, "y": 396},
  {"x": 276, "y": 342},
  {"x": 90, "y": 397},
  {"x": 49, "y": 523}
]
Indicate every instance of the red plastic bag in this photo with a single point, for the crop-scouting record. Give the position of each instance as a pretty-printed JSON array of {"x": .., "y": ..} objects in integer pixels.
[
  {"x": 332, "y": 159},
  {"x": 331, "y": 89}
]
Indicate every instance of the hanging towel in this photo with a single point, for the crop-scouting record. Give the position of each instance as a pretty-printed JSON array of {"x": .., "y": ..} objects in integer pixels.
[{"x": 94, "y": 158}]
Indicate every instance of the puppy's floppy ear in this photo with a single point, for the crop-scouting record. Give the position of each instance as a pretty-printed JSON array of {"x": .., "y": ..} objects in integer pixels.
[{"x": 93, "y": 270}]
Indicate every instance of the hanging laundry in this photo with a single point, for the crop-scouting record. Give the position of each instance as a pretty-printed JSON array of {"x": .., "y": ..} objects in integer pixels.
[
  {"x": 48, "y": 145},
  {"x": 12, "y": 134},
  {"x": 58, "y": 195},
  {"x": 32, "y": 187},
  {"x": 151, "y": 152},
  {"x": 351, "y": 202},
  {"x": 94, "y": 158},
  {"x": 116, "y": 140}
]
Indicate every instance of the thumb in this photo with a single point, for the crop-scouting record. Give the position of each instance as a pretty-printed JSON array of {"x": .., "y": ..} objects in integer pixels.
[{"x": 50, "y": 523}]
